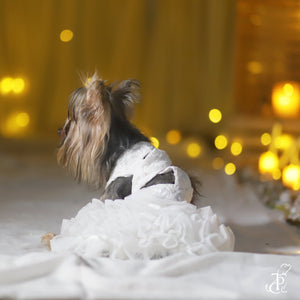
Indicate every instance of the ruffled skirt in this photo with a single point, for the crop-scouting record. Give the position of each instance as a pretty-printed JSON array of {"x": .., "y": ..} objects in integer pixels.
[{"x": 142, "y": 227}]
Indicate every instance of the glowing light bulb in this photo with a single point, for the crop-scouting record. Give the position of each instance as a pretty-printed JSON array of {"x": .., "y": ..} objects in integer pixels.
[
  {"x": 266, "y": 139},
  {"x": 154, "y": 141},
  {"x": 193, "y": 150},
  {"x": 236, "y": 148},
  {"x": 230, "y": 169},
  {"x": 218, "y": 163},
  {"x": 221, "y": 142},
  {"x": 66, "y": 35},
  {"x": 291, "y": 176},
  {"x": 215, "y": 115},
  {"x": 173, "y": 137},
  {"x": 268, "y": 162}
]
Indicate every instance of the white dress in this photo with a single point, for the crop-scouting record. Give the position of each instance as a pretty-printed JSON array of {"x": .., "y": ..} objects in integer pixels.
[{"x": 152, "y": 222}]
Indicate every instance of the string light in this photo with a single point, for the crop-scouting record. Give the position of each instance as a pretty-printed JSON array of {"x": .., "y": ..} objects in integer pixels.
[{"x": 173, "y": 137}]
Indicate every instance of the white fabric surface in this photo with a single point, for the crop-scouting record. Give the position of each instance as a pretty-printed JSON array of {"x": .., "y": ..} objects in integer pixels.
[
  {"x": 35, "y": 195},
  {"x": 219, "y": 275}
]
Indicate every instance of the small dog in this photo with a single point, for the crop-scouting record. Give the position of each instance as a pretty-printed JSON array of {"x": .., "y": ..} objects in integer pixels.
[{"x": 97, "y": 134}]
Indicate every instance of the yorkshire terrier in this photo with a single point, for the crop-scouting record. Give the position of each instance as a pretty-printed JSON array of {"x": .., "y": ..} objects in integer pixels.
[{"x": 97, "y": 132}]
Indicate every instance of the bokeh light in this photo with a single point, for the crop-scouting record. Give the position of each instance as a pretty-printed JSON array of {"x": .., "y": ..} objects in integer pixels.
[
  {"x": 215, "y": 115},
  {"x": 284, "y": 141},
  {"x": 276, "y": 174},
  {"x": 154, "y": 141},
  {"x": 218, "y": 163},
  {"x": 286, "y": 99},
  {"x": 173, "y": 137},
  {"x": 6, "y": 85},
  {"x": 254, "y": 67},
  {"x": 22, "y": 119},
  {"x": 266, "y": 139},
  {"x": 193, "y": 150},
  {"x": 291, "y": 176},
  {"x": 268, "y": 162},
  {"x": 236, "y": 148},
  {"x": 12, "y": 85},
  {"x": 18, "y": 85},
  {"x": 221, "y": 142},
  {"x": 66, "y": 35},
  {"x": 230, "y": 168},
  {"x": 15, "y": 124}
]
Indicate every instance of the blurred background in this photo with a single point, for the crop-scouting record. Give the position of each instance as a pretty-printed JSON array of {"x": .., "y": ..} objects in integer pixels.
[{"x": 220, "y": 79}]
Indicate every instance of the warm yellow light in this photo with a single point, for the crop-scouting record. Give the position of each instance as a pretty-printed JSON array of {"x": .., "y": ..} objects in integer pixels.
[
  {"x": 15, "y": 123},
  {"x": 276, "y": 174},
  {"x": 254, "y": 67},
  {"x": 236, "y": 148},
  {"x": 215, "y": 115},
  {"x": 154, "y": 141},
  {"x": 6, "y": 85},
  {"x": 22, "y": 119},
  {"x": 284, "y": 141},
  {"x": 291, "y": 176},
  {"x": 268, "y": 162},
  {"x": 193, "y": 150},
  {"x": 285, "y": 99},
  {"x": 218, "y": 163},
  {"x": 266, "y": 139},
  {"x": 173, "y": 137},
  {"x": 221, "y": 142},
  {"x": 66, "y": 35},
  {"x": 18, "y": 85},
  {"x": 230, "y": 168}
]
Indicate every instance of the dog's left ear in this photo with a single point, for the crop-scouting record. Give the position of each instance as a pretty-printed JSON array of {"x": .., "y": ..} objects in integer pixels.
[{"x": 123, "y": 95}]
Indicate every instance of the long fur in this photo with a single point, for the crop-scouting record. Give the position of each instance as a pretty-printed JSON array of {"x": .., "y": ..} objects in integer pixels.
[{"x": 97, "y": 130}]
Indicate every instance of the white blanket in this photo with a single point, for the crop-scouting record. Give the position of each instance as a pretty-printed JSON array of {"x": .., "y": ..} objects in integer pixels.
[{"x": 36, "y": 197}]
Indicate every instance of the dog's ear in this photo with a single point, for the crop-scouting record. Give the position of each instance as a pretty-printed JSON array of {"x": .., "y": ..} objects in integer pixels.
[
  {"x": 97, "y": 97},
  {"x": 123, "y": 95}
]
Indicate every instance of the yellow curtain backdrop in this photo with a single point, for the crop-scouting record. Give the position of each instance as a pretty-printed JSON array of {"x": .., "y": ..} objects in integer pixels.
[{"x": 181, "y": 51}]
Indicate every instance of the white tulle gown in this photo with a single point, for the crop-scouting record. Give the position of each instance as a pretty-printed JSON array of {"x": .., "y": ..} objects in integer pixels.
[{"x": 150, "y": 223}]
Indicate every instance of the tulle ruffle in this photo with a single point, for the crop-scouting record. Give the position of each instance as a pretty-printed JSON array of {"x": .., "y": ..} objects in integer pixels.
[{"x": 142, "y": 227}]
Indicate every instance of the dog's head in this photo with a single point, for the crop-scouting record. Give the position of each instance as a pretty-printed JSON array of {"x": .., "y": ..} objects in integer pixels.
[{"x": 86, "y": 132}]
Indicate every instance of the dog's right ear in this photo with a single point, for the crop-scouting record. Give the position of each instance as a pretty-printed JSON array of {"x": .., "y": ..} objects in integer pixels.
[{"x": 123, "y": 95}]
